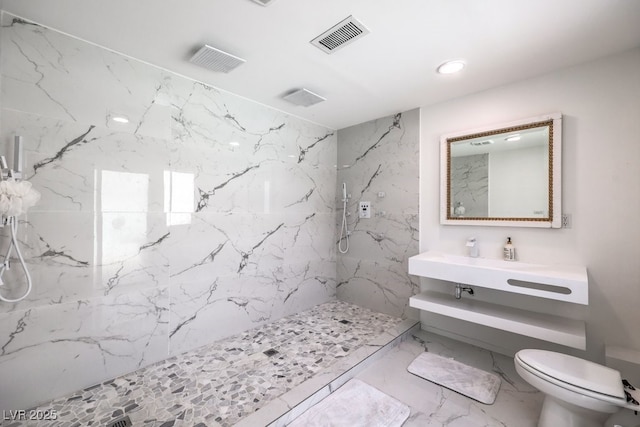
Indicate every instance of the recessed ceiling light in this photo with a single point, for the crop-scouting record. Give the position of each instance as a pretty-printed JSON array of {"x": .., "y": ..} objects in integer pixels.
[
  {"x": 451, "y": 67},
  {"x": 515, "y": 137},
  {"x": 120, "y": 119},
  {"x": 234, "y": 144}
]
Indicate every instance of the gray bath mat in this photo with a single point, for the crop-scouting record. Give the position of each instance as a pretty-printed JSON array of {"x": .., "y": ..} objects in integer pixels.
[
  {"x": 355, "y": 404},
  {"x": 467, "y": 380}
]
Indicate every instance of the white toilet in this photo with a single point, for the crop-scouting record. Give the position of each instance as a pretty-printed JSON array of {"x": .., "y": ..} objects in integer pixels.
[{"x": 578, "y": 393}]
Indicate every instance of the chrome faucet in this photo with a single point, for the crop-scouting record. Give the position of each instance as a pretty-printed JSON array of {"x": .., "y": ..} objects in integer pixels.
[{"x": 460, "y": 289}]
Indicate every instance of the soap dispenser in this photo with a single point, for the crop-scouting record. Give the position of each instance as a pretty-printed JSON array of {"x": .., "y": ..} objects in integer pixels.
[
  {"x": 509, "y": 251},
  {"x": 472, "y": 246}
]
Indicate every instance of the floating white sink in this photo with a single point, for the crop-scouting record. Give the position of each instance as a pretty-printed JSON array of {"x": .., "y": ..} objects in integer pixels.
[{"x": 558, "y": 282}]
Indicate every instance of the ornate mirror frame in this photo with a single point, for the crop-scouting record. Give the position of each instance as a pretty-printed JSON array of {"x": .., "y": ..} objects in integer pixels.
[{"x": 551, "y": 220}]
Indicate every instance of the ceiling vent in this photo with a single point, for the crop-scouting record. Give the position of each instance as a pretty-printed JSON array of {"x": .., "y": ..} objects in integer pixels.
[
  {"x": 340, "y": 35},
  {"x": 264, "y": 2},
  {"x": 216, "y": 59},
  {"x": 304, "y": 97}
]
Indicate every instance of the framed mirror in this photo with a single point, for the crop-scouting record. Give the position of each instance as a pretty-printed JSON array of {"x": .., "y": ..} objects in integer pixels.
[{"x": 504, "y": 175}]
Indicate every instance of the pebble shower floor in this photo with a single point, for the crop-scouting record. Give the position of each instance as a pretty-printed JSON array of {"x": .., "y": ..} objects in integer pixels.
[{"x": 223, "y": 382}]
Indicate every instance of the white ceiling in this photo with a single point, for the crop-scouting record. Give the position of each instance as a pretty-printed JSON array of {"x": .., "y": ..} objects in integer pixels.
[{"x": 392, "y": 69}]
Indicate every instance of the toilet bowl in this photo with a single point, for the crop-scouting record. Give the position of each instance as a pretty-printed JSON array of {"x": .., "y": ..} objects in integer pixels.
[{"x": 578, "y": 393}]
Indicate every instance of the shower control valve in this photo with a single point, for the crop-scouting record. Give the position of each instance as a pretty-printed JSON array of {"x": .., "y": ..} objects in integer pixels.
[{"x": 364, "y": 210}]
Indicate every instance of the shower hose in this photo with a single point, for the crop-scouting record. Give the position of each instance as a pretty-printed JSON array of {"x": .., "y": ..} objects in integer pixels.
[
  {"x": 13, "y": 226},
  {"x": 344, "y": 232}
]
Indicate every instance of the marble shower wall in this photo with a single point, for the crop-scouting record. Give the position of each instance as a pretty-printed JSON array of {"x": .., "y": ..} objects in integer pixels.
[
  {"x": 380, "y": 156},
  {"x": 203, "y": 216}
]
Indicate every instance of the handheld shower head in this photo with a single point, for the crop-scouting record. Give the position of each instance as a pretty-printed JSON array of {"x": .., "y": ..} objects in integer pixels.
[
  {"x": 344, "y": 231},
  {"x": 17, "y": 154}
]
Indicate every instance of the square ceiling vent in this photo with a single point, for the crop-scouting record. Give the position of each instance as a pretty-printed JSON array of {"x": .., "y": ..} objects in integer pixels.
[
  {"x": 215, "y": 59},
  {"x": 343, "y": 33},
  {"x": 304, "y": 97}
]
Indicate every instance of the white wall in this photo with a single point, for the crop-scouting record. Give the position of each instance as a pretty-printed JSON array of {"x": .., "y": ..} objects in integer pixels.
[{"x": 600, "y": 102}]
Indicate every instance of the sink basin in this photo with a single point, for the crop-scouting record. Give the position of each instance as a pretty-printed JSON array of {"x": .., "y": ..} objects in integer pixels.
[{"x": 560, "y": 282}]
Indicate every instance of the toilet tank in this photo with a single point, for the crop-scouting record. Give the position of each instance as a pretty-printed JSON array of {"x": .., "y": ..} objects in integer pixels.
[{"x": 625, "y": 360}]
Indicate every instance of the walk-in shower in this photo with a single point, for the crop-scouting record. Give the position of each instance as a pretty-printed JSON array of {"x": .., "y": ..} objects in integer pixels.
[{"x": 16, "y": 196}]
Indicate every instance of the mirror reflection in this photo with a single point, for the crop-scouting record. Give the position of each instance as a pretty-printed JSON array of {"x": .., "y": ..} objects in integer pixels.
[
  {"x": 504, "y": 174},
  {"x": 518, "y": 163}
]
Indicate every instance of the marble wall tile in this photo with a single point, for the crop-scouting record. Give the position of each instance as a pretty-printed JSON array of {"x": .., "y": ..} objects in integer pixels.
[
  {"x": 382, "y": 286},
  {"x": 56, "y": 349},
  {"x": 260, "y": 267},
  {"x": 212, "y": 308},
  {"x": 252, "y": 162},
  {"x": 86, "y": 167},
  {"x": 378, "y": 161},
  {"x": 201, "y": 309},
  {"x": 155, "y": 234},
  {"x": 73, "y": 256},
  {"x": 51, "y": 74},
  {"x": 391, "y": 237},
  {"x": 380, "y": 156}
]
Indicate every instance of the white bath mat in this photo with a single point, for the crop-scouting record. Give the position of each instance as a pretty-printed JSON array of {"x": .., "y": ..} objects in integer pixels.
[
  {"x": 355, "y": 404},
  {"x": 467, "y": 380}
]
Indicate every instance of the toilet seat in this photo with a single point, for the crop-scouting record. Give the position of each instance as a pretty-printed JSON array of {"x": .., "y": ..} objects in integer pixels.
[
  {"x": 574, "y": 371},
  {"x": 593, "y": 386}
]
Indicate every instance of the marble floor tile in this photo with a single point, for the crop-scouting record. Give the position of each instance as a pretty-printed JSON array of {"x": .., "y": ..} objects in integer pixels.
[
  {"x": 517, "y": 403},
  {"x": 475, "y": 383},
  {"x": 354, "y": 404},
  {"x": 233, "y": 382},
  {"x": 222, "y": 383}
]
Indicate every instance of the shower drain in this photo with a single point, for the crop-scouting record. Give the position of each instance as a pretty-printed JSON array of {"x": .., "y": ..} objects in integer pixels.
[{"x": 121, "y": 422}]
